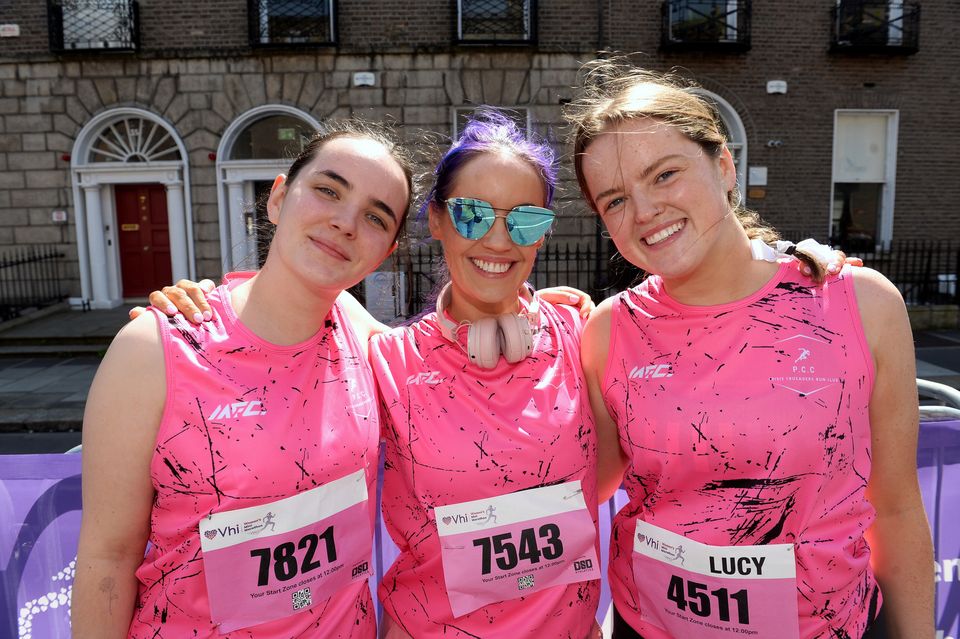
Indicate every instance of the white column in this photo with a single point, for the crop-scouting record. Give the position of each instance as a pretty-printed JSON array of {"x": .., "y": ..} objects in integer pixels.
[
  {"x": 97, "y": 246},
  {"x": 83, "y": 251},
  {"x": 237, "y": 224},
  {"x": 179, "y": 260}
]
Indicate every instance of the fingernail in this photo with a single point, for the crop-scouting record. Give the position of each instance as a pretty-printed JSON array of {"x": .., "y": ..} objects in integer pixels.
[
  {"x": 573, "y": 298},
  {"x": 832, "y": 268},
  {"x": 806, "y": 270},
  {"x": 207, "y": 316},
  {"x": 197, "y": 317},
  {"x": 171, "y": 309}
]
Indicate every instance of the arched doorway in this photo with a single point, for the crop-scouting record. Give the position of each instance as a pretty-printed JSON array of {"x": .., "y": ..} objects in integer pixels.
[
  {"x": 132, "y": 199},
  {"x": 255, "y": 147},
  {"x": 736, "y": 135}
]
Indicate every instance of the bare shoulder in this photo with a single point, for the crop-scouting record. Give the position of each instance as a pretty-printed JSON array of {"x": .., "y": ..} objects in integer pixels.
[
  {"x": 595, "y": 343},
  {"x": 364, "y": 324},
  {"x": 874, "y": 289},
  {"x": 882, "y": 311},
  {"x": 131, "y": 380}
]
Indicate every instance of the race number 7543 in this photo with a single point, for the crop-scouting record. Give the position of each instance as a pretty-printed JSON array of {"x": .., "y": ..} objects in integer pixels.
[{"x": 508, "y": 555}]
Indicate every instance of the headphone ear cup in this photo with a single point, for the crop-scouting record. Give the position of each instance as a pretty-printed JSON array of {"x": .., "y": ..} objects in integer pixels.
[
  {"x": 516, "y": 338},
  {"x": 483, "y": 342}
]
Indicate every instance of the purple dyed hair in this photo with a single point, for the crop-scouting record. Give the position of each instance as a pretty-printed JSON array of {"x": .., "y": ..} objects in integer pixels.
[{"x": 487, "y": 130}]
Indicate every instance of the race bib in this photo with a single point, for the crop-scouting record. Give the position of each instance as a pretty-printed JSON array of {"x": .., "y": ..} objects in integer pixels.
[
  {"x": 515, "y": 545},
  {"x": 273, "y": 560},
  {"x": 689, "y": 589}
]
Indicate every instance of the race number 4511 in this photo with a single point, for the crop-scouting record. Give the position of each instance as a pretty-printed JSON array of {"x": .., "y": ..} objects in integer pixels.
[{"x": 697, "y": 599}]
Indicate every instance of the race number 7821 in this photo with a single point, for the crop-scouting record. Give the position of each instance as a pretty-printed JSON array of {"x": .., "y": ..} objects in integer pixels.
[{"x": 284, "y": 560}]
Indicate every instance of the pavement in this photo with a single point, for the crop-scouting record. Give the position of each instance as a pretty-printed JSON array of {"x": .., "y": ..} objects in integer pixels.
[{"x": 48, "y": 360}]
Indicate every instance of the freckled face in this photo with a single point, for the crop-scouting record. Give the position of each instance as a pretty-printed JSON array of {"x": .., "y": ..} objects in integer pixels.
[
  {"x": 487, "y": 273},
  {"x": 661, "y": 196},
  {"x": 337, "y": 220}
]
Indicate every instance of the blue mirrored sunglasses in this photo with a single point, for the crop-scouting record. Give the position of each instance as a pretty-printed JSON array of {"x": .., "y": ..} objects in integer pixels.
[{"x": 474, "y": 218}]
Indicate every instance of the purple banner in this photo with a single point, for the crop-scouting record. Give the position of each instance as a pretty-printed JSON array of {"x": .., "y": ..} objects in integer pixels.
[
  {"x": 938, "y": 467},
  {"x": 40, "y": 521},
  {"x": 39, "y": 525}
]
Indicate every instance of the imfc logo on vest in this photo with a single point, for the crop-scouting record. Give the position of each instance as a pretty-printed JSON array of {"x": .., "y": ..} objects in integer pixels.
[
  {"x": 652, "y": 371},
  {"x": 237, "y": 410},
  {"x": 430, "y": 377}
]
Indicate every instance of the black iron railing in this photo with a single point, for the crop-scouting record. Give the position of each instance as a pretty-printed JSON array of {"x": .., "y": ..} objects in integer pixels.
[
  {"x": 876, "y": 26},
  {"x": 496, "y": 21},
  {"x": 925, "y": 271},
  {"x": 706, "y": 24},
  {"x": 93, "y": 25},
  {"x": 30, "y": 277},
  {"x": 285, "y": 23}
]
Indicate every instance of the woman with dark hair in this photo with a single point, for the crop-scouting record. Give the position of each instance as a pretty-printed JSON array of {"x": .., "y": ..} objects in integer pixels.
[
  {"x": 766, "y": 419},
  {"x": 245, "y": 450}
]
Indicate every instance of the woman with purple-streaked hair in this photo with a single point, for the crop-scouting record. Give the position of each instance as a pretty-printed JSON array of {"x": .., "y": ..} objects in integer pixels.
[{"x": 490, "y": 479}]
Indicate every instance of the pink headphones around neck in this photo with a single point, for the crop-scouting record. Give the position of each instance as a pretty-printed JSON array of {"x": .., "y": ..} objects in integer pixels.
[{"x": 488, "y": 338}]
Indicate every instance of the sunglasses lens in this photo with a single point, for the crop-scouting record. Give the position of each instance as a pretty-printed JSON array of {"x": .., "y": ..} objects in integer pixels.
[
  {"x": 527, "y": 224},
  {"x": 472, "y": 218}
]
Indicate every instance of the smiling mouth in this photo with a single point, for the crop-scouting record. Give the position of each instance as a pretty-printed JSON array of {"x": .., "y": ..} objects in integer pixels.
[
  {"x": 491, "y": 267},
  {"x": 330, "y": 249},
  {"x": 663, "y": 234}
]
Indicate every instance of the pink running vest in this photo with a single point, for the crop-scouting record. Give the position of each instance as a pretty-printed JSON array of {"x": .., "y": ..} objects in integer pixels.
[
  {"x": 249, "y": 423},
  {"x": 455, "y": 433},
  {"x": 747, "y": 424}
]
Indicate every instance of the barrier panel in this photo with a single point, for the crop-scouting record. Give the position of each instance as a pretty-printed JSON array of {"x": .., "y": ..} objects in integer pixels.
[
  {"x": 938, "y": 468},
  {"x": 40, "y": 521},
  {"x": 39, "y": 526}
]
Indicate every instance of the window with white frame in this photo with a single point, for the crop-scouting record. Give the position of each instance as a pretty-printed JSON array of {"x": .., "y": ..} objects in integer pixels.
[
  {"x": 493, "y": 21},
  {"x": 864, "y": 172}
]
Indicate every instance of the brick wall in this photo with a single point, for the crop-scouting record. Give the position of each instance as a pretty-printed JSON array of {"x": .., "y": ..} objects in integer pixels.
[{"x": 197, "y": 71}]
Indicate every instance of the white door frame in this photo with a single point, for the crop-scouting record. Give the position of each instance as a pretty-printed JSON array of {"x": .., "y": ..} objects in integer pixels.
[
  {"x": 888, "y": 191},
  {"x": 94, "y": 206}
]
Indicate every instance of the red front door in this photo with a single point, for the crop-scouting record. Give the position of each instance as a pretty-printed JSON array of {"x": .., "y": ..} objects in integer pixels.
[{"x": 144, "y": 238}]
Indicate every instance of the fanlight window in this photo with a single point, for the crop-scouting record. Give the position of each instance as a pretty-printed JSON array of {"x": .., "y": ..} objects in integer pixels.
[
  {"x": 275, "y": 136},
  {"x": 134, "y": 140}
]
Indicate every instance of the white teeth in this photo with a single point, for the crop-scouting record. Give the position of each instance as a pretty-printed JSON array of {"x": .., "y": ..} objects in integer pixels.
[
  {"x": 491, "y": 267},
  {"x": 661, "y": 235}
]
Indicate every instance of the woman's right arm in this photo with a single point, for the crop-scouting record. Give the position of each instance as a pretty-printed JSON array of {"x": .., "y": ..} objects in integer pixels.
[
  {"x": 123, "y": 412},
  {"x": 594, "y": 349}
]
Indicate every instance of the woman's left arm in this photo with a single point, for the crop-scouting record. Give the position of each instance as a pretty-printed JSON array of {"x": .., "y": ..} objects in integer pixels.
[{"x": 901, "y": 548}]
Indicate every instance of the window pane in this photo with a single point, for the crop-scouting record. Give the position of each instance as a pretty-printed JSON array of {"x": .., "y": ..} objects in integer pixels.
[
  {"x": 856, "y": 215},
  {"x": 293, "y": 21},
  {"x": 495, "y": 19},
  {"x": 276, "y": 136},
  {"x": 861, "y": 147}
]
